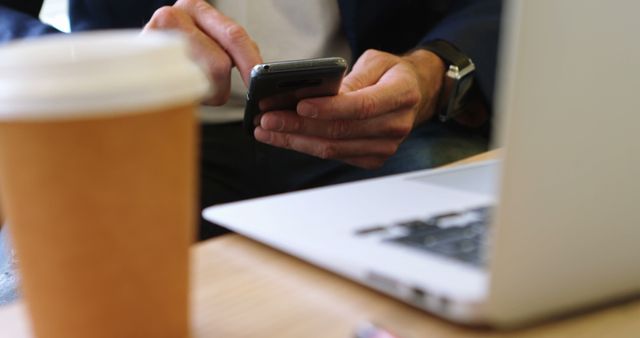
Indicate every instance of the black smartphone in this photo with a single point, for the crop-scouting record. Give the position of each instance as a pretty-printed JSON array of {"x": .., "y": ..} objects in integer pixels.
[{"x": 280, "y": 85}]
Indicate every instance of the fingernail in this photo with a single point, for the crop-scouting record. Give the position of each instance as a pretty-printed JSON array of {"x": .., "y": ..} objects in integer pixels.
[
  {"x": 272, "y": 123},
  {"x": 307, "y": 109}
]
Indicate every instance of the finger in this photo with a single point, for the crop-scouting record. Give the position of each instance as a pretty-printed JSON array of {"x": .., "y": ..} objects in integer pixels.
[
  {"x": 218, "y": 65},
  {"x": 367, "y": 70},
  {"x": 395, "y": 125},
  {"x": 396, "y": 90},
  {"x": 230, "y": 35},
  {"x": 203, "y": 49},
  {"x": 367, "y": 162},
  {"x": 328, "y": 149}
]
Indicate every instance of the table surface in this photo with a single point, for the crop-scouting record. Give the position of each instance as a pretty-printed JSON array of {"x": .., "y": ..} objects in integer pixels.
[{"x": 244, "y": 289}]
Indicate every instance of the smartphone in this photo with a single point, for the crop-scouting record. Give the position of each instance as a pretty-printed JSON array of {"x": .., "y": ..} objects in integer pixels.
[{"x": 280, "y": 85}]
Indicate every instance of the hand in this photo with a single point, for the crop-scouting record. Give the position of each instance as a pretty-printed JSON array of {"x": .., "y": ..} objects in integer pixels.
[
  {"x": 217, "y": 42},
  {"x": 379, "y": 103}
]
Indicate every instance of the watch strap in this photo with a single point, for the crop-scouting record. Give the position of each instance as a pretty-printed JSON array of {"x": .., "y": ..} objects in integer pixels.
[
  {"x": 449, "y": 53},
  {"x": 458, "y": 78}
]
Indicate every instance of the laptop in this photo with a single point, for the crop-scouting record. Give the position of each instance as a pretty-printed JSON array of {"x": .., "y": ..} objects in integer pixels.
[{"x": 551, "y": 227}]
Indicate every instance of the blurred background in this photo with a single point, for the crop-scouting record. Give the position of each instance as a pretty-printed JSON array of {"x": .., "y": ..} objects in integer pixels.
[{"x": 54, "y": 12}]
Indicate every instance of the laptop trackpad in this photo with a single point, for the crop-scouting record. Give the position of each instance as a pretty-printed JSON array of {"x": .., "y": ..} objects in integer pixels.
[{"x": 482, "y": 179}]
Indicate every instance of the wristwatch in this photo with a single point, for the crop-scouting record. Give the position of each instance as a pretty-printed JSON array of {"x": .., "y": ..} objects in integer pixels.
[{"x": 458, "y": 79}]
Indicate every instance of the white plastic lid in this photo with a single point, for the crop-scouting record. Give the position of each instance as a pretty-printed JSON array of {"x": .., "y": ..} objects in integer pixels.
[{"x": 97, "y": 73}]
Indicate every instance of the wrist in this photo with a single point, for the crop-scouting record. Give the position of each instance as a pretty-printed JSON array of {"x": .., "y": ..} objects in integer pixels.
[
  {"x": 429, "y": 69},
  {"x": 458, "y": 82}
]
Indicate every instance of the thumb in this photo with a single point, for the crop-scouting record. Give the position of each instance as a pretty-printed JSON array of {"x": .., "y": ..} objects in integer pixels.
[{"x": 367, "y": 70}]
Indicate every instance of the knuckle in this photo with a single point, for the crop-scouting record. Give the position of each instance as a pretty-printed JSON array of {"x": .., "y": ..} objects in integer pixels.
[
  {"x": 287, "y": 141},
  {"x": 339, "y": 129},
  {"x": 236, "y": 33},
  {"x": 377, "y": 56},
  {"x": 197, "y": 5},
  {"x": 220, "y": 73},
  {"x": 221, "y": 69},
  {"x": 328, "y": 151},
  {"x": 350, "y": 85},
  {"x": 188, "y": 3},
  {"x": 297, "y": 125},
  {"x": 371, "y": 54},
  {"x": 353, "y": 82},
  {"x": 368, "y": 107},
  {"x": 166, "y": 16},
  {"x": 411, "y": 98}
]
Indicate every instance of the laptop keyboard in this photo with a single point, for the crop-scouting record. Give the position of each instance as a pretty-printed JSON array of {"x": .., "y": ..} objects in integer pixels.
[{"x": 458, "y": 235}]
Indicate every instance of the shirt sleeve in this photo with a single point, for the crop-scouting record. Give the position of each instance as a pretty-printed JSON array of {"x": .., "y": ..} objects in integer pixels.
[
  {"x": 15, "y": 24},
  {"x": 473, "y": 26}
]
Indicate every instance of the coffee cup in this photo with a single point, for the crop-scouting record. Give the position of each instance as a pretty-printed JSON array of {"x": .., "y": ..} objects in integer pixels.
[{"x": 98, "y": 180}]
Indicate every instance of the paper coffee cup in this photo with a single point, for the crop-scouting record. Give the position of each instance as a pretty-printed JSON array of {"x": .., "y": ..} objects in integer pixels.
[{"x": 98, "y": 180}]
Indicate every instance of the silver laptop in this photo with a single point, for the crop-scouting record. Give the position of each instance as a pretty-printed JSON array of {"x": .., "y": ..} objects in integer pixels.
[{"x": 552, "y": 227}]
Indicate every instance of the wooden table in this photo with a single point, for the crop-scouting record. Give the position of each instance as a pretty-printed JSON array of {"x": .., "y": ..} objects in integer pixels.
[{"x": 244, "y": 289}]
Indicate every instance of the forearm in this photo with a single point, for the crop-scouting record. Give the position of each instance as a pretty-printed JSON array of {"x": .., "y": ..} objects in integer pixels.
[{"x": 16, "y": 24}]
